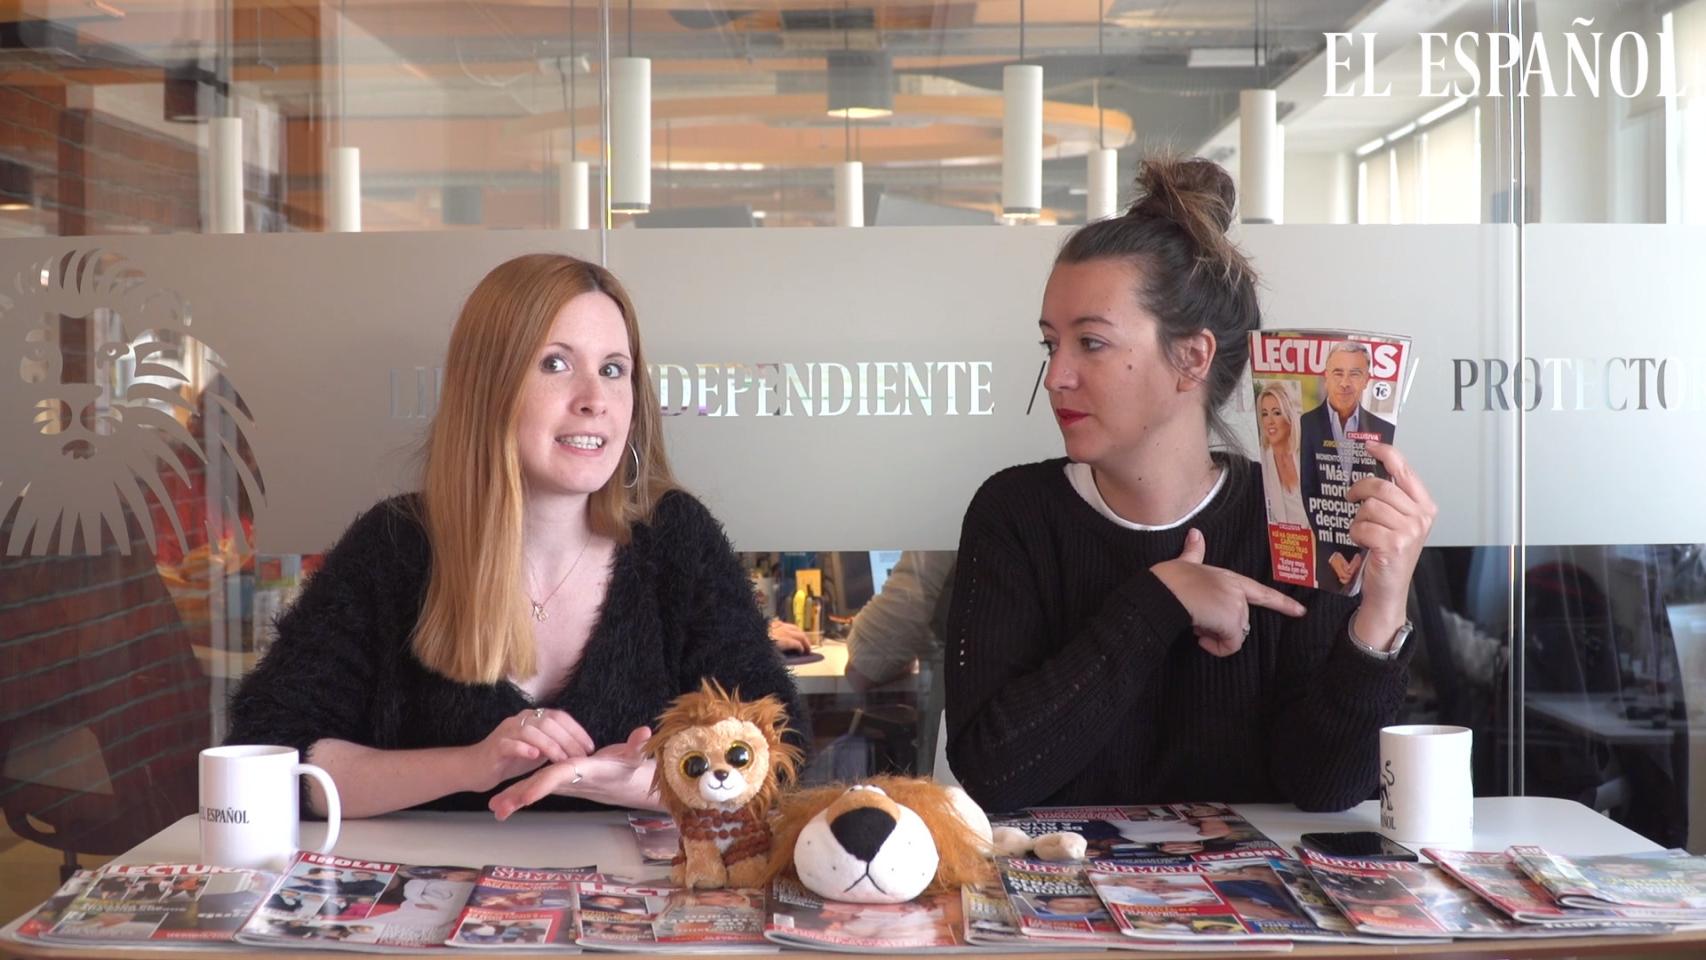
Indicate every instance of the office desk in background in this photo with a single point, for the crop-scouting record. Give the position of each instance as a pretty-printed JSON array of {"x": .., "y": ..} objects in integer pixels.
[
  {"x": 829, "y": 675},
  {"x": 546, "y": 839}
]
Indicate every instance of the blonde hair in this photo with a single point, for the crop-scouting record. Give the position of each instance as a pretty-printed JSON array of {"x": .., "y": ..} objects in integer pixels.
[
  {"x": 473, "y": 626},
  {"x": 1287, "y": 408}
]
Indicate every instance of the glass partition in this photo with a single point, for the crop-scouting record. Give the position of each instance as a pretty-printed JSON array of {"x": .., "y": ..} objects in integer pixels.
[{"x": 192, "y": 418}]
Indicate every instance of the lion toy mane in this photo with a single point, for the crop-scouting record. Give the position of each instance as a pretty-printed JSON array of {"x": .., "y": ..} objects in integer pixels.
[
  {"x": 720, "y": 760},
  {"x": 885, "y": 840}
]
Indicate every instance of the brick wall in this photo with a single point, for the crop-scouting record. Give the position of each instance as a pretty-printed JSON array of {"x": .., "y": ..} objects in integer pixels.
[
  {"x": 101, "y": 678},
  {"x": 95, "y": 173}
]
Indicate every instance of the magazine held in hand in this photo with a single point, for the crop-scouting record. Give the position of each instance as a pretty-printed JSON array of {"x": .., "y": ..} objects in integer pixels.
[{"x": 1320, "y": 395}]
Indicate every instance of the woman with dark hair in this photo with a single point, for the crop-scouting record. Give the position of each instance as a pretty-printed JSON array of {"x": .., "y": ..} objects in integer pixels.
[
  {"x": 541, "y": 600},
  {"x": 1115, "y": 632}
]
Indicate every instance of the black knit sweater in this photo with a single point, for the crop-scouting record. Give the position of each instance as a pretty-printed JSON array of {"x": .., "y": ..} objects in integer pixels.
[
  {"x": 678, "y": 608},
  {"x": 1074, "y": 677}
]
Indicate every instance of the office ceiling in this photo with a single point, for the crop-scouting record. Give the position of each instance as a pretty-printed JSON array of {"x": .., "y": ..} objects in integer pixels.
[{"x": 446, "y": 93}]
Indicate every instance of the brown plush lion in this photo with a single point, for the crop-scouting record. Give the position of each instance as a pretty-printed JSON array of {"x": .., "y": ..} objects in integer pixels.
[
  {"x": 885, "y": 840},
  {"x": 719, "y": 761}
]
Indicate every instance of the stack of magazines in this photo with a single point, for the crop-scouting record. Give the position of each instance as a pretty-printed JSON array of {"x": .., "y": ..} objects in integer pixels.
[
  {"x": 1530, "y": 885},
  {"x": 338, "y": 903},
  {"x": 1197, "y": 876},
  {"x": 1396, "y": 899},
  {"x": 1176, "y": 877}
]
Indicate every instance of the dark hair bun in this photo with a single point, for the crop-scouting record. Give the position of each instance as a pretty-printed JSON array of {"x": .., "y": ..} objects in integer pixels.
[
  {"x": 1197, "y": 195},
  {"x": 1194, "y": 193}
]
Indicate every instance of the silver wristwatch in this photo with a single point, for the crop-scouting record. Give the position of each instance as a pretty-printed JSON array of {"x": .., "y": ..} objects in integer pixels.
[{"x": 1398, "y": 640}]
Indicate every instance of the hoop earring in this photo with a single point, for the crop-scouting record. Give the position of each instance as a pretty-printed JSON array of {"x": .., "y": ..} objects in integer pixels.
[{"x": 636, "y": 481}]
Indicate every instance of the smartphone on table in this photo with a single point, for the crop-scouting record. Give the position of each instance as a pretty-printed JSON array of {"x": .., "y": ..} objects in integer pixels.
[{"x": 1358, "y": 844}]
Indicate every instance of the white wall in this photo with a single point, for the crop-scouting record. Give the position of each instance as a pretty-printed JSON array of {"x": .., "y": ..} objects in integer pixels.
[
  {"x": 1598, "y": 159},
  {"x": 1319, "y": 187}
]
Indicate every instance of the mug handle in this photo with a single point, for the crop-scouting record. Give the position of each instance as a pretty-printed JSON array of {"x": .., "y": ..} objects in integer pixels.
[{"x": 334, "y": 809}]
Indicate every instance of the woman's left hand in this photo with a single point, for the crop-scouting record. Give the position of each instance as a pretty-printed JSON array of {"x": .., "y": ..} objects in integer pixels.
[
  {"x": 1392, "y": 523},
  {"x": 618, "y": 775}
]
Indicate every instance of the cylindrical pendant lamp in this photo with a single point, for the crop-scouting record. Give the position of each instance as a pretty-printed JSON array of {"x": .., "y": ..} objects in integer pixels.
[
  {"x": 573, "y": 210},
  {"x": 850, "y": 194},
  {"x": 1102, "y": 179},
  {"x": 1260, "y": 174},
  {"x": 225, "y": 173},
  {"x": 1022, "y": 141},
  {"x": 861, "y": 84},
  {"x": 343, "y": 214},
  {"x": 630, "y": 134}
]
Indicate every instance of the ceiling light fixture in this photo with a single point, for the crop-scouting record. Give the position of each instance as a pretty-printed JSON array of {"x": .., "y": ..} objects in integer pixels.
[
  {"x": 630, "y": 129},
  {"x": 1022, "y": 135},
  {"x": 1101, "y": 174},
  {"x": 17, "y": 186}
]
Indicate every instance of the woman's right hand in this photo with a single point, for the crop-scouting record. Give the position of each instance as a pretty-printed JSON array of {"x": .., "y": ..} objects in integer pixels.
[
  {"x": 524, "y": 742},
  {"x": 1217, "y": 599},
  {"x": 789, "y": 638}
]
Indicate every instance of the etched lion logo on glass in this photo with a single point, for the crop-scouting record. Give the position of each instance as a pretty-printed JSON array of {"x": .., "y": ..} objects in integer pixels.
[{"x": 114, "y": 417}]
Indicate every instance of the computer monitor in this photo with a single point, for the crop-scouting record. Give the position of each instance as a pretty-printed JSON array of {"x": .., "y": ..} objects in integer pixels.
[
  {"x": 882, "y": 561},
  {"x": 859, "y": 576},
  {"x": 853, "y": 579}
]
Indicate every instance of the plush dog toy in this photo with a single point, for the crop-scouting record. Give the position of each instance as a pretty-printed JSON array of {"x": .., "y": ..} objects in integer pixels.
[
  {"x": 719, "y": 760},
  {"x": 884, "y": 841}
]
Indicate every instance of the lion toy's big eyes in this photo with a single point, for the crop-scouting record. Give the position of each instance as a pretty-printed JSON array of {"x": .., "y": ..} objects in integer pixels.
[
  {"x": 739, "y": 755},
  {"x": 694, "y": 765}
]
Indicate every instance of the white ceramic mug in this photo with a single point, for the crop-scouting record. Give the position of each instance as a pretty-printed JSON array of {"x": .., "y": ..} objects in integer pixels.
[
  {"x": 249, "y": 806},
  {"x": 1426, "y": 791}
]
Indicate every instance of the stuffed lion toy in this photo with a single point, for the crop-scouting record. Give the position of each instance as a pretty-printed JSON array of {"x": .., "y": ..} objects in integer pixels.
[
  {"x": 720, "y": 760},
  {"x": 885, "y": 840}
]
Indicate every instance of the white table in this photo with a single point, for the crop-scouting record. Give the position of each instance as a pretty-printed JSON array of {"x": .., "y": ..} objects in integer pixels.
[
  {"x": 546, "y": 839},
  {"x": 1600, "y": 715},
  {"x": 829, "y": 675},
  {"x": 603, "y": 839}
]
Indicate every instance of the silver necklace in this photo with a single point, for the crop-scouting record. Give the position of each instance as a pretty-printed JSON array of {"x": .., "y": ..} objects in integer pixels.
[{"x": 539, "y": 613}]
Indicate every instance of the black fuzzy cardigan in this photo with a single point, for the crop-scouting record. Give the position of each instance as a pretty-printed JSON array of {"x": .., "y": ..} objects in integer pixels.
[{"x": 678, "y": 608}]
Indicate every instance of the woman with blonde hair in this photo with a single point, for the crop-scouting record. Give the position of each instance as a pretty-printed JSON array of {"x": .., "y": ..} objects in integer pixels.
[
  {"x": 1276, "y": 429},
  {"x": 542, "y": 598}
]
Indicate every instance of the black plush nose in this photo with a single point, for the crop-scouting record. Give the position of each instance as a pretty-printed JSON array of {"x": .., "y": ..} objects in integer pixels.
[
  {"x": 862, "y": 830},
  {"x": 721, "y": 775}
]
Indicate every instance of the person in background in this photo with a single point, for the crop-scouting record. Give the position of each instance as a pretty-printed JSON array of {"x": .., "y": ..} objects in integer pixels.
[{"x": 898, "y": 626}]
